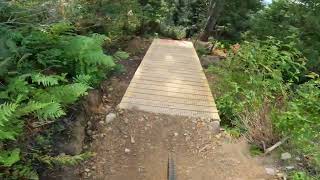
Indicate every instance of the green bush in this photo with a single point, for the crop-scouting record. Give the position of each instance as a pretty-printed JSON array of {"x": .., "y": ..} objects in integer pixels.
[
  {"x": 174, "y": 32},
  {"x": 260, "y": 70},
  {"x": 259, "y": 92},
  {"x": 300, "y": 120}
]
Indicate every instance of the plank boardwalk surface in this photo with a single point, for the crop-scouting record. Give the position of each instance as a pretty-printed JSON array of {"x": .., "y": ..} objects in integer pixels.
[{"x": 170, "y": 80}]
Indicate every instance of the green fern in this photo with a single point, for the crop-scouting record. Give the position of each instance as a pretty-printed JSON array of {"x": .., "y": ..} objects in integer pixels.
[
  {"x": 46, "y": 81},
  {"x": 31, "y": 107},
  {"x": 24, "y": 172},
  {"x": 9, "y": 125},
  {"x": 17, "y": 87},
  {"x": 6, "y": 112},
  {"x": 51, "y": 111},
  {"x": 83, "y": 79},
  {"x": 8, "y": 158},
  {"x": 88, "y": 54},
  {"x": 121, "y": 55},
  {"x": 66, "y": 160},
  {"x": 68, "y": 94}
]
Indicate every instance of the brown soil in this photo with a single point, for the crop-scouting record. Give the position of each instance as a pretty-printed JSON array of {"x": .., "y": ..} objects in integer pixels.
[{"x": 136, "y": 145}]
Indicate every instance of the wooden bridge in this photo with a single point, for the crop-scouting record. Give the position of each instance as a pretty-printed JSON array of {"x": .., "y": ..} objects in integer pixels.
[{"x": 170, "y": 80}]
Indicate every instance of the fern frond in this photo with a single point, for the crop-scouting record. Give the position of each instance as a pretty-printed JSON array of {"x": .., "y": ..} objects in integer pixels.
[
  {"x": 25, "y": 172},
  {"x": 46, "y": 81},
  {"x": 97, "y": 58},
  {"x": 66, "y": 160},
  {"x": 121, "y": 55},
  {"x": 70, "y": 93},
  {"x": 8, "y": 133},
  {"x": 7, "y": 111},
  {"x": 18, "y": 86},
  {"x": 8, "y": 158},
  {"x": 83, "y": 78},
  {"x": 99, "y": 38},
  {"x": 30, "y": 107},
  {"x": 10, "y": 126},
  {"x": 51, "y": 111},
  {"x": 87, "y": 52}
]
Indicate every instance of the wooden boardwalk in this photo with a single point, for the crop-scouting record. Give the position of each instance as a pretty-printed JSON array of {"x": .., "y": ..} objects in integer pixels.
[{"x": 170, "y": 80}]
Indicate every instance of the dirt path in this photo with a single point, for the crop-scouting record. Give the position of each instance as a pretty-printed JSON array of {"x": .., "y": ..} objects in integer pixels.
[{"x": 136, "y": 146}]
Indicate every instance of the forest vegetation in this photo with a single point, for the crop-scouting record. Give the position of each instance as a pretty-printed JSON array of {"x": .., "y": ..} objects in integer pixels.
[{"x": 53, "y": 52}]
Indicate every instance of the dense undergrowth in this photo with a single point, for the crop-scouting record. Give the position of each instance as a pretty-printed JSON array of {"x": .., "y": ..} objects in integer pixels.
[
  {"x": 43, "y": 72},
  {"x": 266, "y": 92},
  {"x": 269, "y": 90}
]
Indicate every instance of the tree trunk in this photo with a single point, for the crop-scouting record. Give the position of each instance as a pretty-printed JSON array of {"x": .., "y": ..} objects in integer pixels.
[{"x": 215, "y": 9}]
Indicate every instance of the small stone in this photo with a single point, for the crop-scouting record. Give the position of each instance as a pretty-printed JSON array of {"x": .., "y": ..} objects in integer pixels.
[
  {"x": 285, "y": 156},
  {"x": 126, "y": 120},
  {"x": 89, "y": 132},
  {"x": 271, "y": 171},
  {"x": 132, "y": 140},
  {"x": 101, "y": 122},
  {"x": 281, "y": 175},
  {"x": 141, "y": 119},
  {"x": 289, "y": 168},
  {"x": 110, "y": 117},
  {"x": 110, "y": 89},
  {"x": 89, "y": 123},
  {"x": 298, "y": 159},
  {"x": 176, "y": 134},
  {"x": 126, "y": 150},
  {"x": 87, "y": 170}
]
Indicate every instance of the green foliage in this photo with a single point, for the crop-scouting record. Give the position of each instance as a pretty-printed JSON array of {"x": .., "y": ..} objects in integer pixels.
[
  {"x": 255, "y": 150},
  {"x": 66, "y": 160},
  {"x": 51, "y": 80},
  {"x": 301, "y": 120},
  {"x": 43, "y": 71},
  {"x": 261, "y": 70},
  {"x": 286, "y": 18},
  {"x": 260, "y": 85},
  {"x": 121, "y": 55},
  {"x": 174, "y": 32},
  {"x": 300, "y": 176},
  {"x": 88, "y": 55},
  {"x": 8, "y": 158}
]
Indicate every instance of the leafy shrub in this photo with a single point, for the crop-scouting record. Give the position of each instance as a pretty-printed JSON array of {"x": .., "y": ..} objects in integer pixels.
[
  {"x": 301, "y": 120},
  {"x": 174, "y": 32},
  {"x": 285, "y": 18},
  {"x": 252, "y": 82},
  {"x": 121, "y": 55},
  {"x": 261, "y": 94},
  {"x": 66, "y": 160}
]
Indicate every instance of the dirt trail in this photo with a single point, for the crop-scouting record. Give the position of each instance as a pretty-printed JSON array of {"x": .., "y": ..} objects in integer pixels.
[{"x": 136, "y": 146}]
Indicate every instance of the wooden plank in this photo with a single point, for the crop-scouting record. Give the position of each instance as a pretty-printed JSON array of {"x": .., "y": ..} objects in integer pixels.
[{"x": 170, "y": 80}]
